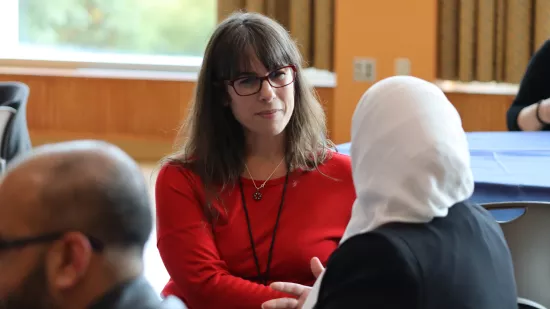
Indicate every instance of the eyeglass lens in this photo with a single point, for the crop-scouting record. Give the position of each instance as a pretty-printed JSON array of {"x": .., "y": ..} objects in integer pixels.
[{"x": 252, "y": 84}]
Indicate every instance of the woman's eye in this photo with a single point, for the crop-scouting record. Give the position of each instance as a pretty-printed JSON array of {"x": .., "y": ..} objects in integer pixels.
[
  {"x": 278, "y": 74},
  {"x": 247, "y": 81}
]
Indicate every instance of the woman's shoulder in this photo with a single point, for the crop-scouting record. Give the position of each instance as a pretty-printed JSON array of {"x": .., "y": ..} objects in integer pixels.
[
  {"x": 335, "y": 167},
  {"x": 175, "y": 172},
  {"x": 337, "y": 162},
  {"x": 339, "y": 157}
]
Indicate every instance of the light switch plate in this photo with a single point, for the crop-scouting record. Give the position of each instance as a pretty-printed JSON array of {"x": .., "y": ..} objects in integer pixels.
[
  {"x": 402, "y": 66},
  {"x": 364, "y": 69}
]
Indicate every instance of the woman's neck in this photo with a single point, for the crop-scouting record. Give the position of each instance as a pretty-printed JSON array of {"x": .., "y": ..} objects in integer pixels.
[{"x": 264, "y": 155}]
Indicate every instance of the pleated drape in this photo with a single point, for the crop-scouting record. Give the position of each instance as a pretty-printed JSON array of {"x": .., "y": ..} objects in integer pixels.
[
  {"x": 310, "y": 22},
  {"x": 490, "y": 40}
]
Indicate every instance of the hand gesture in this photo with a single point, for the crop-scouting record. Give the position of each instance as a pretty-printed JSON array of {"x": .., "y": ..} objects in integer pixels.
[
  {"x": 545, "y": 110},
  {"x": 300, "y": 291}
]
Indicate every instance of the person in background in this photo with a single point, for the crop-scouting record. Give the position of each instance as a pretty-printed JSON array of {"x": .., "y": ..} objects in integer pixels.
[
  {"x": 530, "y": 110},
  {"x": 414, "y": 240},
  {"x": 74, "y": 220},
  {"x": 256, "y": 190}
]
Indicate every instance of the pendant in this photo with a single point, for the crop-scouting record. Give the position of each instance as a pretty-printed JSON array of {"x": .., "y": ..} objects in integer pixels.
[{"x": 257, "y": 196}]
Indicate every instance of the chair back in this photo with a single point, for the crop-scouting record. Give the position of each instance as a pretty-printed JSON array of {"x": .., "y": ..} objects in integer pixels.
[
  {"x": 527, "y": 304},
  {"x": 15, "y": 95},
  {"x": 528, "y": 237},
  {"x": 6, "y": 119}
]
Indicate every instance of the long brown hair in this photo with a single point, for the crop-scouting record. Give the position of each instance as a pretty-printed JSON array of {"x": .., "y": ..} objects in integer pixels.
[{"x": 211, "y": 142}]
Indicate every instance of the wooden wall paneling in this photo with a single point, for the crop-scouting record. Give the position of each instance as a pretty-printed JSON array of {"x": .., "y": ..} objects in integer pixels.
[
  {"x": 481, "y": 112},
  {"x": 105, "y": 106}
]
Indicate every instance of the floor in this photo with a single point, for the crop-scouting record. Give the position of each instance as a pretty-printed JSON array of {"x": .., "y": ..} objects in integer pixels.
[{"x": 154, "y": 268}]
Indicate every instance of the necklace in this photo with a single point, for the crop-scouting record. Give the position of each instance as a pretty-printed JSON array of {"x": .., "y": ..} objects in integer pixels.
[
  {"x": 258, "y": 195},
  {"x": 264, "y": 279}
]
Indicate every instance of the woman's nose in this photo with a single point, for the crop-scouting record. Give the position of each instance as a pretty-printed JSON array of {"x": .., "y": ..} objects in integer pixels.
[{"x": 267, "y": 92}]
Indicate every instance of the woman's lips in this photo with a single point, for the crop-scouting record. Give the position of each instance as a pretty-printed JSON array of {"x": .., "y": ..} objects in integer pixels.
[{"x": 269, "y": 114}]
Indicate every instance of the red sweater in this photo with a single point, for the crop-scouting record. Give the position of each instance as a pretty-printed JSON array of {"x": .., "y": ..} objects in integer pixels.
[{"x": 207, "y": 269}]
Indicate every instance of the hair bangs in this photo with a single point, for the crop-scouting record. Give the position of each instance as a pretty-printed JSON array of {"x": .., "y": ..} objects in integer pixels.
[
  {"x": 233, "y": 57},
  {"x": 248, "y": 41},
  {"x": 271, "y": 49}
]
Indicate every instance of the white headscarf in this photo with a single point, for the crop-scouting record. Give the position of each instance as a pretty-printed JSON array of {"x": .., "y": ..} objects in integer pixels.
[{"x": 410, "y": 157}]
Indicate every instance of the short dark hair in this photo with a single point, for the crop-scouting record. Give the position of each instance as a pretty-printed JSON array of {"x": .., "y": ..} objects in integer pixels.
[
  {"x": 212, "y": 142},
  {"x": 104, "y": 197}
]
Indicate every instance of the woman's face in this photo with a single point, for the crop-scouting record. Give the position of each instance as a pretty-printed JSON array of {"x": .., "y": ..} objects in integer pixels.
[{"x": 265, "y": 112}]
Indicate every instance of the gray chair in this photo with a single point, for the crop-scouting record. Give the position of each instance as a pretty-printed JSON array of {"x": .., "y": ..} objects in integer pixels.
[
  {"x": 527, "y": 304},
  {"x": 528, "y": 237},
  {"x": 7, "y": 114},
  {"x": 15, "y": 95},
  {"x": 172, "y": 302}
]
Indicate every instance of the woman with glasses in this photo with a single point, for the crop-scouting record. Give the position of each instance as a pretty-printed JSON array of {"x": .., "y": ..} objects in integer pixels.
[{"x": 256, "y": 191}]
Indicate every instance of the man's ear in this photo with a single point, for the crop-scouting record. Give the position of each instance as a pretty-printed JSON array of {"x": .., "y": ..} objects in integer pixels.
[{"x": 68, "y": 260}]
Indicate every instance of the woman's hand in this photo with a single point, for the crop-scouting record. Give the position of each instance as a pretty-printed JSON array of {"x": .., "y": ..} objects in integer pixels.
[
  {"x": 300, "y": 291},
  {"x": 544, "y": 110},
  {"x": 527, "y": 117}
]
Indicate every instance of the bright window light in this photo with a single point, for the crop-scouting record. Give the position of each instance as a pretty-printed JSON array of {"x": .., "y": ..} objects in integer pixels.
[{"x": 119, "y": 34}]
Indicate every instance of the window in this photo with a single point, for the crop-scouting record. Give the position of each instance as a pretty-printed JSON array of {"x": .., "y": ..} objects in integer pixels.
[{"x": 167, "y": 33}]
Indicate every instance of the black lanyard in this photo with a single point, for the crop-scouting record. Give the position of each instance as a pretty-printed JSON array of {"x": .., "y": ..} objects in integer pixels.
[{"x": 270, "y": 254}]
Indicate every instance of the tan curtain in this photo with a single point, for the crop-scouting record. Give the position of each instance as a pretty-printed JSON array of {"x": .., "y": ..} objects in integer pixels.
[
  {"x": 310, "y": 22},
  {"x": 485, "y": 53},
  {"x": 448, "y": 39},
  {"x": 542, "y": 22},
  {"x": 466, "y": 40},
  {"x": 494, "y": 39}
]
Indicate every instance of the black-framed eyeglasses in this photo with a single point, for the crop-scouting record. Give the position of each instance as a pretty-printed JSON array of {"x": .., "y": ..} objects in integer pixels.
[
  {"x": 252, "y": 84},
  {"x": 97, "y": 245}
]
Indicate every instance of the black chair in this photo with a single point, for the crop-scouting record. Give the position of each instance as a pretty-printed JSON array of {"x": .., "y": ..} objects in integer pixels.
[
  {"x": 15, "y": 95},
  {"x": 528, "y": 237},
  {"x": 7, "y": 115}
]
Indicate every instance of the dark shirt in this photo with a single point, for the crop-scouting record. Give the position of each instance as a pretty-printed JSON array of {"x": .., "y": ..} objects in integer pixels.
[
  {"x": 136, "y": 294},
  {"x": 458, "y": 262},
  {"x": 534, "y": 86}
]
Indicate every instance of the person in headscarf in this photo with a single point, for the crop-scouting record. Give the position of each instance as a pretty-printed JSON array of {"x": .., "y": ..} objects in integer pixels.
[{"x": 414, "y": 240}]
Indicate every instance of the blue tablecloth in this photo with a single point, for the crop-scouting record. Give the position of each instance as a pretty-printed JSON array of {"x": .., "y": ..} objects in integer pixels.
[{"x": 507, "y": 166}]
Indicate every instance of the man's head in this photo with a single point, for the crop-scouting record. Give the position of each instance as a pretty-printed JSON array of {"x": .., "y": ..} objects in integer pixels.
[{"x": 74, "y": 218}]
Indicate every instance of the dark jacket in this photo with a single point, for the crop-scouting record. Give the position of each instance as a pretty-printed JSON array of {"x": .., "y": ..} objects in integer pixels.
[
  {"x": 458, "y": 262},
  {"x": 137, "y": 294},
  {"x": 533, "y": 87}
]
